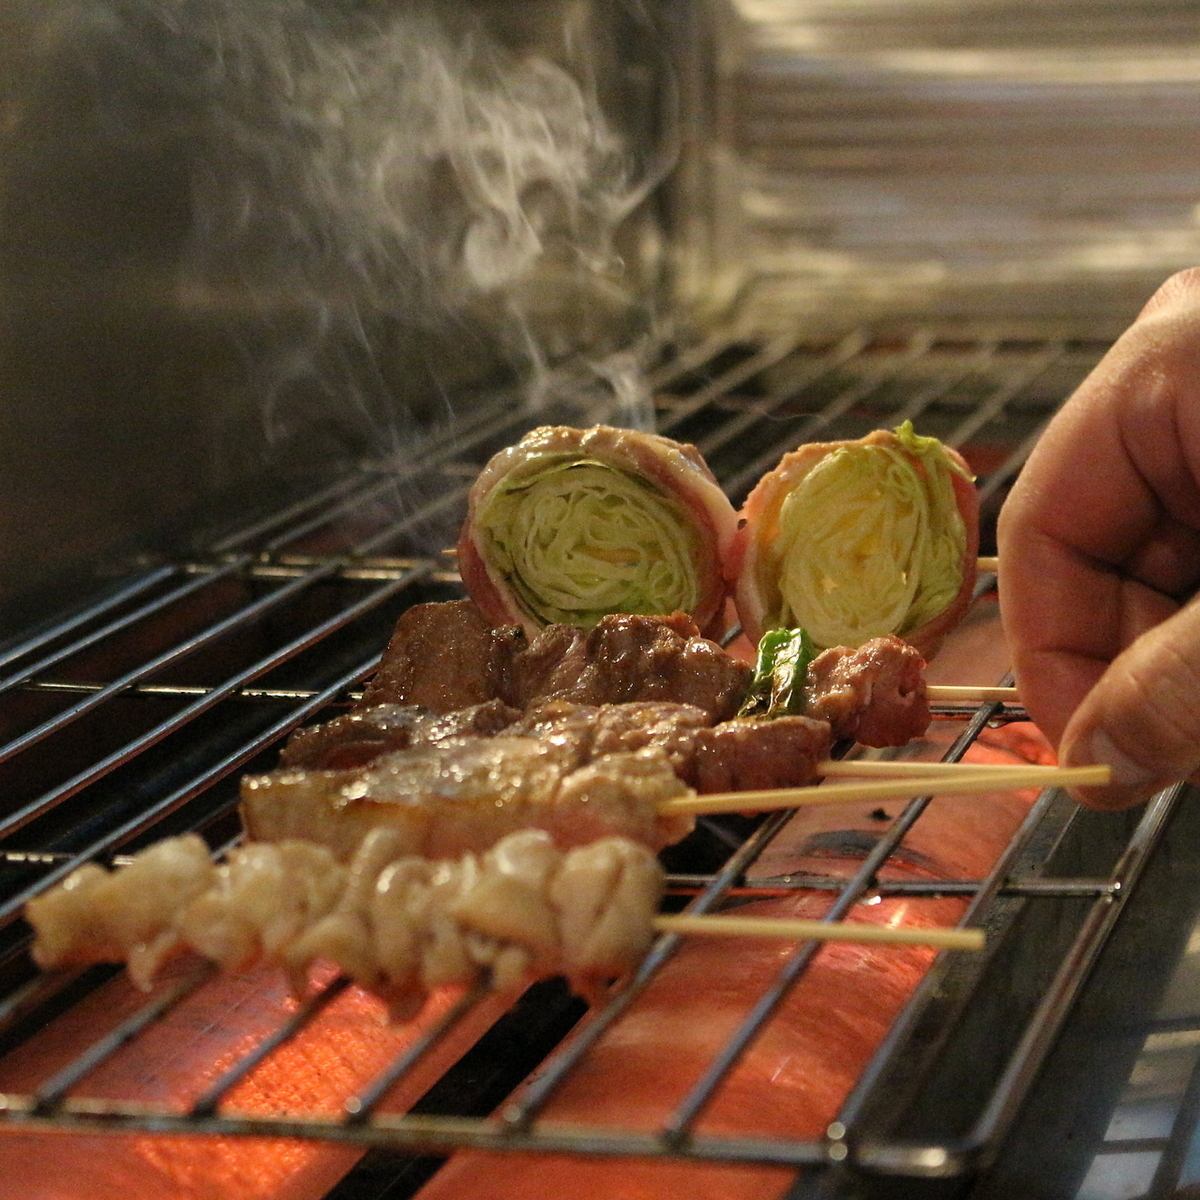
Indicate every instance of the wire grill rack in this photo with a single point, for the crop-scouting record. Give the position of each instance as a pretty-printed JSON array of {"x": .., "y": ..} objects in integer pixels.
[{"x": 130, "y": 719}]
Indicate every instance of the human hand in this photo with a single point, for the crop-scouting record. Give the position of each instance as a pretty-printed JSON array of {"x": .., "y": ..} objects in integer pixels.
[{"x": 1099, "y": 546}]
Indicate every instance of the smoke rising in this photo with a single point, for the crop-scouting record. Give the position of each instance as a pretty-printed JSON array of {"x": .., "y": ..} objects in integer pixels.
[{"x": 385, "y": 193}]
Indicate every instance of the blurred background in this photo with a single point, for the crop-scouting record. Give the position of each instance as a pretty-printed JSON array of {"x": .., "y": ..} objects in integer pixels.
[{"x": 245, "y": 244}]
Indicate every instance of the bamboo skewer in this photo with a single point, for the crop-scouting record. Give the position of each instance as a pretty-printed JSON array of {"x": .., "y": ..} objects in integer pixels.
[
  {"x": 950, "y": 693},
  {"x": 987, "y": 563},
  {"x": 798, "y": 930},
  {"x": 1001, "y": 778},
  {"x": 840, "y": 768}
]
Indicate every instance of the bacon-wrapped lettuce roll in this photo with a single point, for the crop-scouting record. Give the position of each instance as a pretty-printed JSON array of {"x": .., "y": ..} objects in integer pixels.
[
  {"x": 571, "y": 524},
  {"x": 854, "y": 540}
]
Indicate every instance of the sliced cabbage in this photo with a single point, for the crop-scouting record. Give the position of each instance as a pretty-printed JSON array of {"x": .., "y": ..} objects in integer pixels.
[
  {"x": 576, "y": 539},
  {"x": 870, "y": 541}
]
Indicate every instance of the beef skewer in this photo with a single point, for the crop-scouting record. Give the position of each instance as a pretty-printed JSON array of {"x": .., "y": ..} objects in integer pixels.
[{"x": 447, "y": 659}]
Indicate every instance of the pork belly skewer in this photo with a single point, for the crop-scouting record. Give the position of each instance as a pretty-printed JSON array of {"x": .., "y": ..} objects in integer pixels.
[
  {"x": 445, "y": 800},
  {"x": 571, "y": 524},
  {"x": 396, "y": 925},
  {"x": 853, "y": 539}
]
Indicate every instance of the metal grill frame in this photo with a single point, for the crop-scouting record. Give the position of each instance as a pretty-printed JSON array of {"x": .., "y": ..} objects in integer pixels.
[{"x": 266, "y": 550}]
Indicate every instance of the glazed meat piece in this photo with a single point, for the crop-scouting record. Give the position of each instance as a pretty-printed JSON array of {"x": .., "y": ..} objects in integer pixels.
[
  {"x": 591, "y": 729},
  {"x": 466, "y": 794},
  {"x": 444, "y": 657},
  {"x": 738, "y": 754},
  {"x": 875, "y": 694},
  {"x": 355, "y": 738},
  {"x": 399, "y": 926},
  {"x": 741, "y": 755},
  {"x": 629, "y": 658}
]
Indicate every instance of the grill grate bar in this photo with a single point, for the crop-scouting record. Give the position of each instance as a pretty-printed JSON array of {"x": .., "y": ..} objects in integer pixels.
[
  {"x": 829, "y": 360},
  {"x": 413, "y": 1134},
  {"x": 521, "y": 1113},
  {"x": 1018, "y": 380},
  {"x": 97, "y": 770},
  {"x": 849, "y": 396},
  {"x": 161, "y": 574},
  {"x": 1056, "y": 887},
  {"x": 10, "y": 909},
  {"x": 183, "y": 691},
  {"x": 1052, "y": 1011},
  {"x": 88, "y": 613},
  {"x": 288, "y": 566},
  {"x": 312, "y": 1007},
  {"x": 360, "y": 1107},
  {"x": 168, "y": 657},
  {"x": 224, "y": 568},
  {"x": 684, "y": 362},
  {"x": 323, "y": 500},
  {"x": 158, "y": 605},
  {"x": 855, "y": 391},
  {"x": 54, "y": 1090},
  {"x": 686, "y": 1114},
  {"x": 730, "y": 379}
]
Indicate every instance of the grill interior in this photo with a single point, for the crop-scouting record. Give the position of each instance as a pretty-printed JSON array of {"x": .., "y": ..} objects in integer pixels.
[{"x": 131, "y": 719}]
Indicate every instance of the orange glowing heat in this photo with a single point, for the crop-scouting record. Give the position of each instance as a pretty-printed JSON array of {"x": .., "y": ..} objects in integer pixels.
[{"x": 174, "y": 1061}]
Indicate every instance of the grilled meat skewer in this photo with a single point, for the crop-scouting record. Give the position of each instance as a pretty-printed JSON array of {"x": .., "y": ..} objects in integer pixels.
[{"x": 397, "y": 925}]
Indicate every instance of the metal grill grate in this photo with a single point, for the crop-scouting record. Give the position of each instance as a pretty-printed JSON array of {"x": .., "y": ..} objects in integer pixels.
[{"x": 128, "y": 721}]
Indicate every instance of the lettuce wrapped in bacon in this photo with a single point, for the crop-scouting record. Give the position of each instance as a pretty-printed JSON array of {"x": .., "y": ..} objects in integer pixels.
[
  {"x": 571, "y": 524},
  {"x": 854, "y": 540}
]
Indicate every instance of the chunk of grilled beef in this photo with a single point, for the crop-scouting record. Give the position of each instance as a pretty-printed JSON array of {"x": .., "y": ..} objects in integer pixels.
[
  {"x": 742, "y": 755},
  {"x": 444, "y": 657},
  {"x": 626, "y": 658},
  {"x": 355, "y": 738},
  {"x": 733, "y": 755},
  {"x": 874, "y": 695}
]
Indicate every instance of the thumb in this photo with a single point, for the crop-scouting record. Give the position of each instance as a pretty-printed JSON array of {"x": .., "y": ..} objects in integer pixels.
[{"x": 1142, "y": 718}]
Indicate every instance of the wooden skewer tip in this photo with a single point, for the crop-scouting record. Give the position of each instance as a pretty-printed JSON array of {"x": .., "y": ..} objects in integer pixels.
[
  {"x": 999, "y": 779},
  {"x": 823, "y": 931}
]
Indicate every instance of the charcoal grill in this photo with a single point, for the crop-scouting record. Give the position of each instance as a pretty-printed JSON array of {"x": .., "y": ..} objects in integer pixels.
[
  {"x": 132, "y": 717},
  {"x": 879, "y": 211}
]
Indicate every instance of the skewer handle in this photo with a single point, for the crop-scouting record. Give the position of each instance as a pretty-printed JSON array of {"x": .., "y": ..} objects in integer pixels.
[
  {"x": 822, "y": 931},
  {"x": 939, "y": 772},
  {"x": 998, "y": 779},
  {"x": 954, "y": 694}
]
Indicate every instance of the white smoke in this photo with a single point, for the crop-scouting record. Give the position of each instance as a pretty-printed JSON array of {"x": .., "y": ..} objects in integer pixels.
[{"x": 383, "y": 190}]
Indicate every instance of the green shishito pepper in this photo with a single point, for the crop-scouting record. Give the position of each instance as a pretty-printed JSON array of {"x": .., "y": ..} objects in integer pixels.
[{"x": 780, "y": 672}]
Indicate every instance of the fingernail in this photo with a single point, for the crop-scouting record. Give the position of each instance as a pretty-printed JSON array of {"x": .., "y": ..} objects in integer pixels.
[{"x": 1132, "y": 782}]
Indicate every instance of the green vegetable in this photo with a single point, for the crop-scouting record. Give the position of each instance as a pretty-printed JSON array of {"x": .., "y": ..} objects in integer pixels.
[
  {"x": 577, "y": 538},
  {"x": 871, "y": 541},
  {"x": 780, "y": 673}
]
